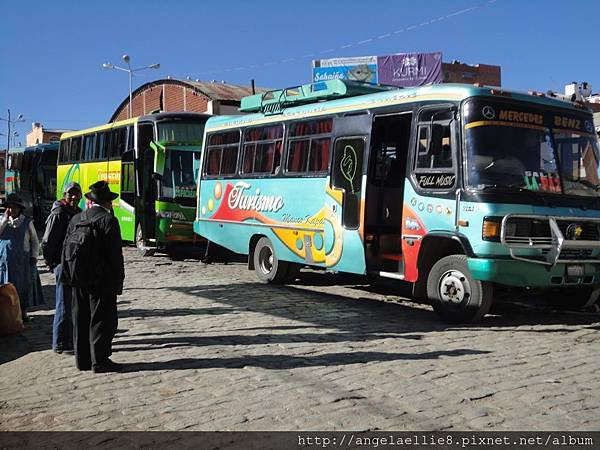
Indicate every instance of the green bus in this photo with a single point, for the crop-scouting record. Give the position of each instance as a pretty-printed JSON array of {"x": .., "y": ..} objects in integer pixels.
[{"x": 152, "y": 162}]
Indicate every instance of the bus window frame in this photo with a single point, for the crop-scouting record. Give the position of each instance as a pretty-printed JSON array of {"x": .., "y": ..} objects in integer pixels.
[
  {"x": 455, "y": 143},
  {"x": 311, "y": 137},
  {"x": 272, "y": 173},
  {"x": 208, "y": 148}
]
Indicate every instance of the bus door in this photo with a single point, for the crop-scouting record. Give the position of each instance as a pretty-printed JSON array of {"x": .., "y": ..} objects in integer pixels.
[
  {"x": 344, "y": 202},
  {"x": 147, "y": 185},
  {"x": 127, "y": 199},
  {"x": 390, "y": 140}
]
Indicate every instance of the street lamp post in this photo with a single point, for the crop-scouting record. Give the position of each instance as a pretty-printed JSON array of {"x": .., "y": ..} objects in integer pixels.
[
  {"x": 130, "y": 72},
  {"x": 10, "y": 122}
]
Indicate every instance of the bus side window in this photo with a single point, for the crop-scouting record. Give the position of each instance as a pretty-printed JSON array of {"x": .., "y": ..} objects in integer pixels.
[
  {"x": 308, "y": 146},
  {"x": 75, "y": 153},
  {"x": 262, "y": 149},
  {"x": 130, "y": 138},
  {"x": 426, "y": 141},
  {"x": 89, "y": 145},
  {"x": 117, "y": 142},
  {"x": 222, "y": 153},
  {"x": 63, "y": 152},
  {"x": 101, "y": 145}
]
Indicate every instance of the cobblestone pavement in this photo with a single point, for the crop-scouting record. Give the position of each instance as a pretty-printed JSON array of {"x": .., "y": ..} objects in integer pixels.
[{"x": 210, "y": 348}]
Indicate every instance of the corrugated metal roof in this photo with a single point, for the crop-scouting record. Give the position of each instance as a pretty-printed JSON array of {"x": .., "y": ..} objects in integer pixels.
[{"x": 222, "y": 91}]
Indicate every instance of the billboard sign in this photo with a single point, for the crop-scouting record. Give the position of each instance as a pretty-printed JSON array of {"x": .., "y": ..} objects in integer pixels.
[
  {"x": 356, "y": 69},
  {"x": 402, "y": 69}
]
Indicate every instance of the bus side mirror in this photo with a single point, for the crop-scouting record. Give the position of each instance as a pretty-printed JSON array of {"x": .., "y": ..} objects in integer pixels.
[
  {"x": 435, "y": 143},
  {"x": 159, "y": 158}
]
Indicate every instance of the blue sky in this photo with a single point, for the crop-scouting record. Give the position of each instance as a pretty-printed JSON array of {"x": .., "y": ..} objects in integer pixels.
[{"x": 52, "y": 52}]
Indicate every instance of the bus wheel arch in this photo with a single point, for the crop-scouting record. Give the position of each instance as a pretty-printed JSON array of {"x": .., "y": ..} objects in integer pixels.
[
  {"x": 433, "y": 248},
  {"x": 268, "y": 267}
]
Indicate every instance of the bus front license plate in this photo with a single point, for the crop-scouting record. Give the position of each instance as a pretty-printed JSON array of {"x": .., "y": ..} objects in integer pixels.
[{"x": 575, "y": 270}]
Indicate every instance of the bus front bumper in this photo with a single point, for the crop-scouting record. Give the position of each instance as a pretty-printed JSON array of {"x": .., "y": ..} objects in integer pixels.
[{"x": 512, "y": 272}]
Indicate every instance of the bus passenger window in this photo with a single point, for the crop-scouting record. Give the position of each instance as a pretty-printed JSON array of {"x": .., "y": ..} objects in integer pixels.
[
  {"x": 262, "y": 149},
  {"x": 117, "y": 142},
  {"x": 213, "y": 161},
  {"x": 63, "y": 152},
  {"x": 229, "y": 160},
  {"x": 222, "y": 153},
  {"x": 319, "y": 155},
  {"x": 309, "y": 144},
  {"x": 298, "y": 155},
  {"x": 89, "y": 145},
  {"x": 75, "y": 153},
  {"x": 101, "y": 145}
]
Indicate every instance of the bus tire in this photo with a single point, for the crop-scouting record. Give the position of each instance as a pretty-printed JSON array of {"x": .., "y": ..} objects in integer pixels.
[
  {"x": 139, "y": 242},
  {"x": 453, "y": 292},
  {"x": 268, "y": 268}
]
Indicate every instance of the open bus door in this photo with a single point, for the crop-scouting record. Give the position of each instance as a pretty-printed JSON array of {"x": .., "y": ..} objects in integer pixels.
[{"x": 344, "y": 224}]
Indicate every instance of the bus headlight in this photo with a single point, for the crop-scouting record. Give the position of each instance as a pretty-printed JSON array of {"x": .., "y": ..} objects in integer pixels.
[{"x": 490, "y": 231}]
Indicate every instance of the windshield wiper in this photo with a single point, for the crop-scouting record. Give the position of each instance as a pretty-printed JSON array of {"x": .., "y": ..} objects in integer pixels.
[{"x": 521, "y": 189}]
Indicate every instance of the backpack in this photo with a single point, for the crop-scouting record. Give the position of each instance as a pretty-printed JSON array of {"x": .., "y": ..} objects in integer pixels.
[{"x": 81, "y": 264}]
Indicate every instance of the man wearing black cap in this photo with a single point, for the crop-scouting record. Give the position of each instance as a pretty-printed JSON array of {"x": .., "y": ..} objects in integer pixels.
[
  {"x": 57, "y": 223},
  {"x": 95, "y": 309}
]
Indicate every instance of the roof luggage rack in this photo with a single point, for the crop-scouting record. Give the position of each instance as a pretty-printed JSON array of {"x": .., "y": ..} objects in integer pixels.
[{"x": 275, "y": 101}]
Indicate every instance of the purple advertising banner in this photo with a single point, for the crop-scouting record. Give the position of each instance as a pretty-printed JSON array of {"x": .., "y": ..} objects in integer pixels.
[{"x": 410, "y": 69}]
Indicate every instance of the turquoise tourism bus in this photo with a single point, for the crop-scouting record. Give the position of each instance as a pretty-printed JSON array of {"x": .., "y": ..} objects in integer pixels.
[
  {"x": 457, "y": 189},
  {"x": 31, "y": 173}
]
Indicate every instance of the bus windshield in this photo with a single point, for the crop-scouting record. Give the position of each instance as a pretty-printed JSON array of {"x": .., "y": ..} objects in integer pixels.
[
  {"x": 177, "y": 131},
  {"x": 180, "y": 176},
  {"x": 578, "y": 155},
  {"x": 520, "y": 148}
]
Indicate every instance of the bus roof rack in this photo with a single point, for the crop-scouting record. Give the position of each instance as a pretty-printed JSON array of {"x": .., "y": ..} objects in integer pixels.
[{"x": 273, "y": 102}]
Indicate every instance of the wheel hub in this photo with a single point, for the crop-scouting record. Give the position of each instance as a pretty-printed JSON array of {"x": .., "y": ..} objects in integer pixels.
[{"x": 454, "y": 287}]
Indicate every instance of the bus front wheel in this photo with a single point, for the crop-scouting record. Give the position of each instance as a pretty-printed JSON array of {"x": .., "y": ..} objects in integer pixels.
[
  {"x": 267, "y": 266},
  {"x": 139, "y": 242},
  {"x": 453, "y": 292}
]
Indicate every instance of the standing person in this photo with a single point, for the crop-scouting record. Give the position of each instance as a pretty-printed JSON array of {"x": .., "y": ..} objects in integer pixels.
[
  {"x": 56, "y": 228},
  {"x": 19, "y": 247},
  {"x": 95, "y": 308}
]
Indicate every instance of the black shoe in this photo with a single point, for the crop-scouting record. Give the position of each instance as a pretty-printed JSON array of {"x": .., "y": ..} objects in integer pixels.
[
  {"x": 66, "y": 351},
  {"x": 108, "y": 366}
]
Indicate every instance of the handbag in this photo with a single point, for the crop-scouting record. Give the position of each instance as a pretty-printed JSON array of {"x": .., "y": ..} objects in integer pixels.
[{"x": 11, "y": 321}]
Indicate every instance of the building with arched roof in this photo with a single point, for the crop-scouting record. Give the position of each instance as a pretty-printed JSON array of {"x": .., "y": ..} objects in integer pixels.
[{"x": 170, "y": 95}]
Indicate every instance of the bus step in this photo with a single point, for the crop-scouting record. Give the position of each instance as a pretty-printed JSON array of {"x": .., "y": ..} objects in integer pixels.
[{"x": 394, "y": 275}]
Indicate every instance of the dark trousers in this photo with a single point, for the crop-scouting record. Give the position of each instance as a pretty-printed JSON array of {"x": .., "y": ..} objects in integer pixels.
[{"x": 94, "y": 327}]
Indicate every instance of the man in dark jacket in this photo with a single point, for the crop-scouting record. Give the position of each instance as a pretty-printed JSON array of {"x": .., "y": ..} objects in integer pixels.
[
  {"x": 56, "y": 228},
  {"x": 95, "y": 308}
]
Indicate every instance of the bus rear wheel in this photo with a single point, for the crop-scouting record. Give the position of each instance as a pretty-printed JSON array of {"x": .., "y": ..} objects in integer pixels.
[
  {"x": 268, "y": 267},
  {"x": 573, "y": 298},
  {"x": 139, "y": 242},
  {"x": 453, "y": 292}
]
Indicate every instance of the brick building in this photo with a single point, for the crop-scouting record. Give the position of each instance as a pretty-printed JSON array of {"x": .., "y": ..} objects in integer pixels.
[
  {"x": 458, "y": 72},
  {"x": 41, "y": 135},
  {"x": 183, "y": 95}
]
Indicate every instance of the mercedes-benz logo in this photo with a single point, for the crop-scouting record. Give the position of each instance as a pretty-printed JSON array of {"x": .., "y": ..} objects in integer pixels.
[
  {"x": 574, "y": 231},
  {"x": 488, "y": 112}
]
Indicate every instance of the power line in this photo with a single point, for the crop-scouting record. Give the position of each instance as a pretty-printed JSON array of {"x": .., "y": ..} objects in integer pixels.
[{"x": 372, "y": 39}]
